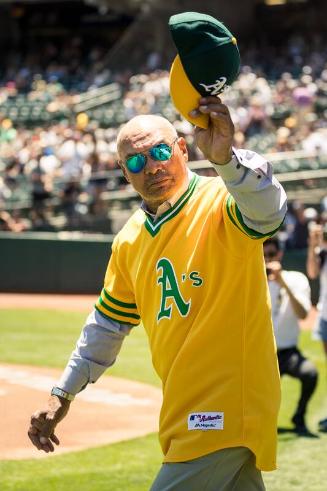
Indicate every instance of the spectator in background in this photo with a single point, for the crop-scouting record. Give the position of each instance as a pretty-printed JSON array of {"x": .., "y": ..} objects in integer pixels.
[
  {"x": 41, "y": 189},
  {"x": 317, "y": 267},
  {"x": 297, "y": 225},
  {"x": 257, "y": 117},
  {"x": 276, "y": 106},
  {"x": 290, "y": 301},
  {"x": 69, "y": 202},
  {"x": 7, "y": 131},
  {"x": 73, "y": 152},
  {"x": 11, "y": 222}
]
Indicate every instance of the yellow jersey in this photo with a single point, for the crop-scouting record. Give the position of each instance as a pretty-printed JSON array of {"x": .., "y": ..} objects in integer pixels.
[{"x": 196, "y": 278}]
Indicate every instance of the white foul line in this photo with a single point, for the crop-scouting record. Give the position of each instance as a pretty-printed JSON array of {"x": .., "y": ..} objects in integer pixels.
[{"x": 45, "y": 383}]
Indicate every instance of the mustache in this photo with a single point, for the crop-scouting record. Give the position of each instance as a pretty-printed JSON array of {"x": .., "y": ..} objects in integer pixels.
[{"x": 157, "y": 177}]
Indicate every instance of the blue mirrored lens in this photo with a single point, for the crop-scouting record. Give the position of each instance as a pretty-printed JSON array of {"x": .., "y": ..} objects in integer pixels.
[
  {"x": 161, "y": 152},
  {"x": 136, "y": 163}
]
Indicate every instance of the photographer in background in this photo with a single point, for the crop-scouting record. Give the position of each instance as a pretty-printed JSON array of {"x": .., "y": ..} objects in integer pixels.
[
  {"x": 290, "y": 301},
  {"x": 317, "y": 266}
]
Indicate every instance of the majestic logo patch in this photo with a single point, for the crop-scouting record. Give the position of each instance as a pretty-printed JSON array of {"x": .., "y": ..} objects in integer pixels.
[
  {"x": 206, "y": 421},
  {"x": 216, "y": 88}
]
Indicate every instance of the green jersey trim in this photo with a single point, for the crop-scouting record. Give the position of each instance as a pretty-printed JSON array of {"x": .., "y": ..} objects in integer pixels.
[
  {"x": 113, "y": 318},
  {"x": 154, "y": 227},
  {"x": 119, "y": 302},
  {"x": 117, "y": 312},
  {"x": 237, "y": 219}
]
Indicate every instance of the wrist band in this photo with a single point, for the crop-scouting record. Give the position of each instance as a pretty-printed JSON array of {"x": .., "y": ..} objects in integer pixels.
[{"x": 62, "y": 393}]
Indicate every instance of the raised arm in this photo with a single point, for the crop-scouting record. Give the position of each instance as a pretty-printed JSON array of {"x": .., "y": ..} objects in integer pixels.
[{"x": 260, "y": 199}]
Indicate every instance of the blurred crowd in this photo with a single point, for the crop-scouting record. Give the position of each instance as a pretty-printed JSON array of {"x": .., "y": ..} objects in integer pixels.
[
  {"x": 71, "y": 66},
  {"x": 61, "y": 175}
]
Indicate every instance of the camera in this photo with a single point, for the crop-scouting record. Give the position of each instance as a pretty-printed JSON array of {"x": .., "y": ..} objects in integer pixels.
[{"x": 268, "y": 271}]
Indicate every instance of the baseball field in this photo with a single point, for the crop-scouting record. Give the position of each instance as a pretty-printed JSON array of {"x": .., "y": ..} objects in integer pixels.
[{"x": 108, "y": 440}]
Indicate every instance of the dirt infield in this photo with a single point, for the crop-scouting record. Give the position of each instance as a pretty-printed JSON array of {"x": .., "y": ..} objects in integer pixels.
[
  {"x": 80, "y": 303},
  {"x": 113, "y": 410}
]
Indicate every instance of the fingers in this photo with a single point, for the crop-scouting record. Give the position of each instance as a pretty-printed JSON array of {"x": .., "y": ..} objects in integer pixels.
[
  {"x": 33, "y": 435},
  {"x": 37, "y": 421},
  {"x": 210, "y": 105},
  {"x": 275, "y": 265},
  {"x": 42, "y": 442},
  {"x": 55, "y": 439},
  {"x": 46, "y": 444},
  {"x": 41, "y": 432}
]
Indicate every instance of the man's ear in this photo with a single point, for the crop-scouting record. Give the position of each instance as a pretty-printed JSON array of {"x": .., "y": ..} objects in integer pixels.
[
  {"x": 121, "y": 165},
  {"x": 181, "y": 142}
]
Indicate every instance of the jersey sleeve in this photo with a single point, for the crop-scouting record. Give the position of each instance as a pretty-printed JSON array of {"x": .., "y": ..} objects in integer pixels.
[
  {"x": 258, "y": 201},
  {"x": 233, "y": 214},
  {"x": 117, "y": 298}
]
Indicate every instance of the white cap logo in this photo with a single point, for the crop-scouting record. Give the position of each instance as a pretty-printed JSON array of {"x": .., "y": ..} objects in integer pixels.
[{"x": 216, "y": 88}]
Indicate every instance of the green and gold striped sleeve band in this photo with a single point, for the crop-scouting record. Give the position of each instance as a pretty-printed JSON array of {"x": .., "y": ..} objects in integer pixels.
[
  {"x": 117, "y": 310},
  {"x": 236, "y": 217}
]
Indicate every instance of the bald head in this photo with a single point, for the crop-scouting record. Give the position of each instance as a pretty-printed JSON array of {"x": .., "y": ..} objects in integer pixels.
[
  {"x": 144, "y": 130},
  {"x": 157, "y": 180}
]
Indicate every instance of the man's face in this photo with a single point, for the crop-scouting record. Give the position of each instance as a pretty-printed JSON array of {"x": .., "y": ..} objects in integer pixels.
[
  {"x": 158, "y": 180},
  {"x": 270, "y": 253}
]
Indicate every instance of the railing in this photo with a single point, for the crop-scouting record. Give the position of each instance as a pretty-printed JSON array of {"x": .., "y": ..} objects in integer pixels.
[
  {"x": 97, "y": 97},
  {"x": 308, "y": 184}
]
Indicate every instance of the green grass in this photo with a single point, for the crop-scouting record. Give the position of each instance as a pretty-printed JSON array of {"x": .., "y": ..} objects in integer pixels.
[
  {"x": 301, "y": 460},
  {"x": 47, "y": 338},
  {"x": 126, "y": 466}
]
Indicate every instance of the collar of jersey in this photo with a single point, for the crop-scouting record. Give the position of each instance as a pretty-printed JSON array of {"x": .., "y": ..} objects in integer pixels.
[{"x": 153, "y": 227}]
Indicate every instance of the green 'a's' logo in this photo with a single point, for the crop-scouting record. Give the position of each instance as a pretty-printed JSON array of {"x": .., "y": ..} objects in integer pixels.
[{"x": 170, "y": 289}]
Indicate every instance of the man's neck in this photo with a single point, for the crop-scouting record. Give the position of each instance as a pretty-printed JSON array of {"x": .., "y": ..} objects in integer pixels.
[{"x": 156, "y": 209}]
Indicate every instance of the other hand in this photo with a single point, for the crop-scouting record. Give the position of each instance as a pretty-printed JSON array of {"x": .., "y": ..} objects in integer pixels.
[
  {"x": 43, "y": 423},
  {"x": 274, "y": 271},
  {"x": 315, "y": 235}
]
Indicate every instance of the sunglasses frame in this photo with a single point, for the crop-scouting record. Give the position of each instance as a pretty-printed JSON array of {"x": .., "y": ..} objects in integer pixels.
[{"x": 145, "y": 157}]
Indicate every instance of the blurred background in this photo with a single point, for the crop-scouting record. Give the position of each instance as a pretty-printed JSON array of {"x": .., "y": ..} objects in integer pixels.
[{"x": 72, "y": 72}]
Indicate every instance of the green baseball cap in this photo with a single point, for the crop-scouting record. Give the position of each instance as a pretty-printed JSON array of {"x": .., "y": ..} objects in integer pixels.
[{"x": 208, "y": 61}]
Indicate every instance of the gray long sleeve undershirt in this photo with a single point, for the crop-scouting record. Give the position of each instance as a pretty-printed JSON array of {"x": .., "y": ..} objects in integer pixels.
[
  {"x": 96, "y": 350},
  {"x": 262, "y": 202}
]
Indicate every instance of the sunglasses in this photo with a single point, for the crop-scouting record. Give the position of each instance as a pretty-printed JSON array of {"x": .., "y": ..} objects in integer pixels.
[{"x": 161, "y": 152}]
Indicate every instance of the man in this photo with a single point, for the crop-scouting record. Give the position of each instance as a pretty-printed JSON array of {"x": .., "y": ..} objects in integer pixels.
[
  {"x": 290, "y": 301},
  {"x": 317, "y": 267},
  {"x": 189, "y": 264}
]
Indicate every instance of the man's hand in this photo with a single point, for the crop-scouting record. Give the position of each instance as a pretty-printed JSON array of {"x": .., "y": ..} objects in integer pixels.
[
  {"x": 274, "y": 272},
  {"x": 43, "y": 423},
  {"x": 315, "y": 236},
  {"x": 216, "y": 141}
]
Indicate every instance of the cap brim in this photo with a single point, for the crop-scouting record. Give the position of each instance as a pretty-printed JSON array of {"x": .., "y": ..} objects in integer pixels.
[{"x": 184, "y": 95}]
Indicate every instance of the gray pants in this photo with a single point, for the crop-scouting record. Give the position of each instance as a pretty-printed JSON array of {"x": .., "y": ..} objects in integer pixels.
[{"x": 230, "y": 469}]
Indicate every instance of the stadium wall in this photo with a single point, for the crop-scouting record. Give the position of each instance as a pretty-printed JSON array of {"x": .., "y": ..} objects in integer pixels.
[
  {"x": 64, "y": 262},
  {"x": 53, "y": 262}
]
